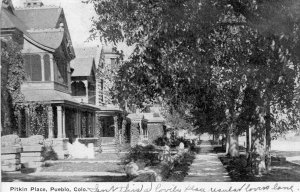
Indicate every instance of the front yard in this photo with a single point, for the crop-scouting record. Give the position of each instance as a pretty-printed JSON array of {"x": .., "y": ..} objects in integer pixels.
[{"x": 84, "y": 167}]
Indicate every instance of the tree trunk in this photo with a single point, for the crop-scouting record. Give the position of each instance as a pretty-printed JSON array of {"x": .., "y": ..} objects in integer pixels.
[
  {"x": 233, "y": 143},
  {"x": 227, "y": 141},
  {"x": 268, "y": 136},
  {"x": 258, "y": 150},
  {"x": 248, "y": 139}
]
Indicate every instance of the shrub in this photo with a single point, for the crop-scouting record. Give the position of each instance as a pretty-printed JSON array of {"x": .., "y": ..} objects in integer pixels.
[
  {"x": 49, "y": 154},
  {"x": 161, "y": 141},
  {"x": 142, "y": 154},
  {"x": 175, "y": 142}
]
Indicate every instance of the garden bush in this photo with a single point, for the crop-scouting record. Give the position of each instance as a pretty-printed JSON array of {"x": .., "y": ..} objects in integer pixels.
[
  {"x": 161, "y": 141},
  {"x": 175, "y": 142},
  {"x": 142, "y": 154},
  {"x": 48, "y": 153}
]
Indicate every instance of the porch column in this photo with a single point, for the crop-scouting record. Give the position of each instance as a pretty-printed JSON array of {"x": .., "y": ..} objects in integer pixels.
[
  {"x": 124, "y": 123},
  {"x": 51, "y": 67},
  {"x": 77, "y": 123},
  {"x": 116, "y": 127},
  {"x": 59, "y": 122},
  {"x": 20, "y": 117},
  {"x": 64, "y": 122},
  {"x": 50, "y": 122},
  {"x": 42, "y": 66},
  {"x": 27, "y": 121}
]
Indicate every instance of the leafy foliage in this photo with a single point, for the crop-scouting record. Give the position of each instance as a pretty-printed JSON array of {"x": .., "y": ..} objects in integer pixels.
[
  {"x": 12, "y": 76},
  {"x": 142, "y": 153},
  {"x": 235, "y": 62}
]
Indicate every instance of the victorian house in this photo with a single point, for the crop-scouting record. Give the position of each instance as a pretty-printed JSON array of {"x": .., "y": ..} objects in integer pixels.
[{"x": 47, "y": 52}]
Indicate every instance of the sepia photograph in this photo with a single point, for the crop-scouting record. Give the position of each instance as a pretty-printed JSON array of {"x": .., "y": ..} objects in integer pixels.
[{"x": 150, "y": 91}]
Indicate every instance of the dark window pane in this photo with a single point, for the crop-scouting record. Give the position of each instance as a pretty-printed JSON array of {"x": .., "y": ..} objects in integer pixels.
[
  {"x": 47, "y": 67},
  {"x": 27, "y": 65},
  {"x": 36, "y": 68},
  {"x": 78, "y": 89},
  {"x": 113, "y": 63}
]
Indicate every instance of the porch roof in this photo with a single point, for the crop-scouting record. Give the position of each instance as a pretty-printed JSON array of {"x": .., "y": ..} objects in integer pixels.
[
  {"x": 108, "y": 110},
  {"x": 55, "y": 97},
  {"x": 153, "y": 118}
]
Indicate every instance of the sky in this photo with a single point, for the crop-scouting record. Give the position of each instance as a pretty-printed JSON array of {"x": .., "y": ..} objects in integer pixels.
[{"x": 78, "y": 16}]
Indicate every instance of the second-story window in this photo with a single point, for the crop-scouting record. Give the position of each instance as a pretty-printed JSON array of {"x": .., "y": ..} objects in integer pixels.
[
  {"x": 47, "y": 67},
  {"x": 33, "y": 67}
]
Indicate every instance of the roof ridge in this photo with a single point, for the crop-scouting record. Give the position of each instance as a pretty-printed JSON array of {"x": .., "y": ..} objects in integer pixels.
[
  {"x": 33, "y": 30},
  {"x": 43, "y": 7}
]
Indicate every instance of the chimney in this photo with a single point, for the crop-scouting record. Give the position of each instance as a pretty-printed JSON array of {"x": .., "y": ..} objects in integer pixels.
[{"x": 33, "y": 3}]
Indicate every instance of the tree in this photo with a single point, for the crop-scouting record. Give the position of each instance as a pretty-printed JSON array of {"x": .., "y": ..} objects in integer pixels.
[
  {"x": 225, "y": 48},
  {"x": 12, "y": 76}
]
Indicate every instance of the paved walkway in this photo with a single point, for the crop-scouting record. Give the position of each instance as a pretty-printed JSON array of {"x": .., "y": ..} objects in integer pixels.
[{"x": 207, "y": 167}]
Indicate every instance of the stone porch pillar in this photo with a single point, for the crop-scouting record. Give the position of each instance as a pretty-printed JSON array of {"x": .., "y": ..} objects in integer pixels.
[
  {"x": 51, "y": 67},
  {"x": 77, "y": 126},
  {"x": 50, "y": 122},
  {"x": 27, "y": 121},
  {"x": 64, "y": 122},
  {"x": 116, "y": 118},
  {"x": 42, "y": 66},
  {"x": 59, "y": 122},
  {"x": 124, "y": 123}
]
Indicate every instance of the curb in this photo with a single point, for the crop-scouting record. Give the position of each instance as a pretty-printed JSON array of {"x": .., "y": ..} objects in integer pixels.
[
  {"x": 77, "y": 174},
  {"x": 106, "y": 161}
]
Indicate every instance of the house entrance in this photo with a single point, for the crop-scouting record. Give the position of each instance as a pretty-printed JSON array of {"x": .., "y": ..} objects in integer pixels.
[{"x": 108, "y": 126}]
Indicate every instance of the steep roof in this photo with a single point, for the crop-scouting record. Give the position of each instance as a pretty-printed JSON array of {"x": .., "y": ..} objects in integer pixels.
[
  {"x": 9, "y": 20},
  {"x": 82, "y": 66},
  {"x": 41, "y": 17},
  {"x": 50, "y": 38},
  {"x": 84, "y": 52}
]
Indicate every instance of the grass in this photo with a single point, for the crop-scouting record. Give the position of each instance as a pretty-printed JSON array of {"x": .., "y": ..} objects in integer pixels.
[
  {"x": 19, "y": 177},
  {"x": 84, "y": 167},
  {"x": 280, "y": 171}
]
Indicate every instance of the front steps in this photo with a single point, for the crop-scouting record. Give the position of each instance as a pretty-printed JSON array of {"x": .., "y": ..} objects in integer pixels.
[{"x": 109, "y": 147}]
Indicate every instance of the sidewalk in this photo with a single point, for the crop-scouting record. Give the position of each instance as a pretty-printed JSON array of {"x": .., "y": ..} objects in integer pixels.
[{"x": 207, "y": 167}]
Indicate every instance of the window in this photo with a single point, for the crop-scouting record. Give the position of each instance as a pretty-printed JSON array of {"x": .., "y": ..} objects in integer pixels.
[
  {"x": 47, "y": 67},
  {"x": 78, "y": 89},
  {"x": 33, "y": 67}
]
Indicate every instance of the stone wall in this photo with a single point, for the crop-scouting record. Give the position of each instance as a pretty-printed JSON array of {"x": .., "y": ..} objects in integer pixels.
[
  {"x": 10, "y": 153},
  {"x": 31, "y": 156}
]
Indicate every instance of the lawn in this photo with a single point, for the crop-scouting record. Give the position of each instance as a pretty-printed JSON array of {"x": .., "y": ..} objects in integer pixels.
[
  {"x": 84, "y": 167},
  {"x": 280, "y": 171},
  {"x": 20, "y": 177}
]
